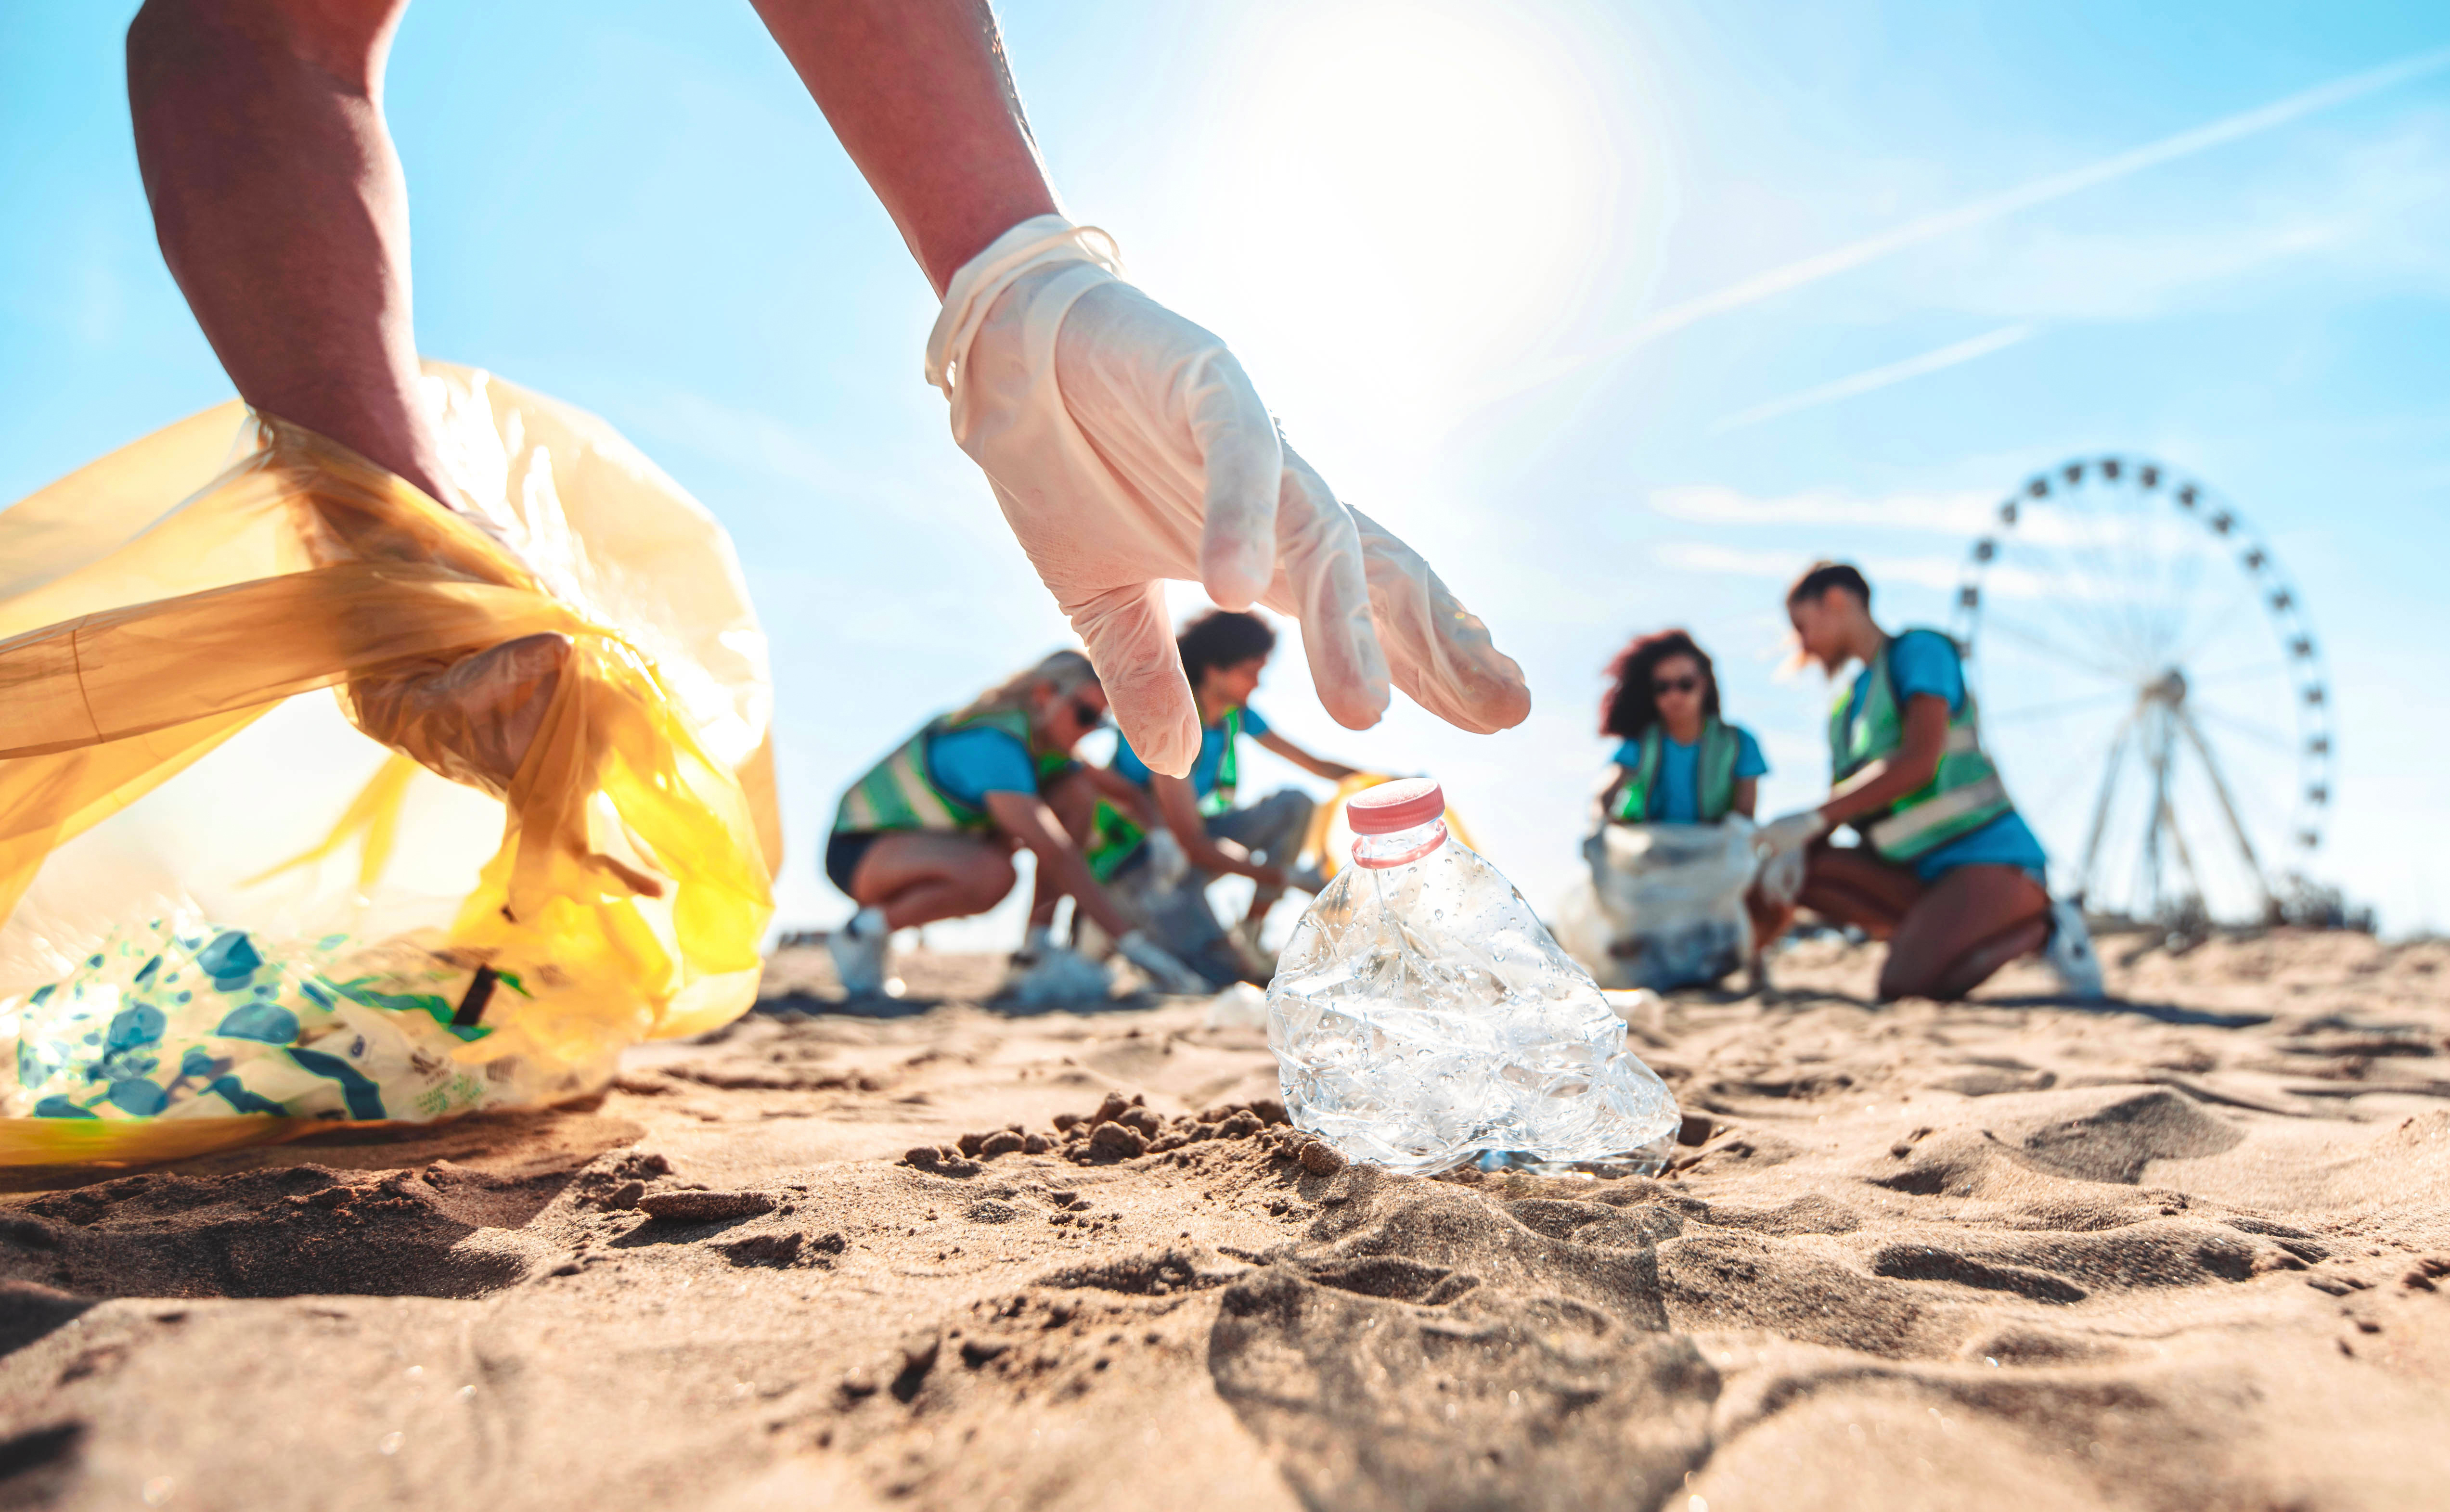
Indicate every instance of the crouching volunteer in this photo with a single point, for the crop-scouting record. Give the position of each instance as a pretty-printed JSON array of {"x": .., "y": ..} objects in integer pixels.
[
  {"x": 1946, "y": 871},
  {"x": 1162, "y": 878},
  {"x": 929, "y": 832}
]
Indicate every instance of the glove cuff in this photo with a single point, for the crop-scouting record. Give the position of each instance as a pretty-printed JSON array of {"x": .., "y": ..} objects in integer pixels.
[{"x": 1037, "y": 242}]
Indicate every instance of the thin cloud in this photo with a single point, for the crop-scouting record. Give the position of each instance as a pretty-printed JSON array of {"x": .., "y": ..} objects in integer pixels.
[
  {"x": 1878, "y": 377},
  {"x": 1948, "y": 223},
  {"x": 1960, "y": 512}
]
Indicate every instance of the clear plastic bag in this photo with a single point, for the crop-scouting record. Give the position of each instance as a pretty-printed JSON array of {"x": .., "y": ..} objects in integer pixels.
[
  {"x": 1423, "y": 1018},
  {"x": 1664, "y": 904},
  {"x": 230, "y": 912}
]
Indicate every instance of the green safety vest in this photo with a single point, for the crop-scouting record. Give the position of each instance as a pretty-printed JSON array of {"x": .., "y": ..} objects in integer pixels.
[
  {"x": 1716, "y": 774},
  {"x": 1964, "y": 795},
  {"x": 1114, "y": 835},
  {"x": 897, "y": 793}
]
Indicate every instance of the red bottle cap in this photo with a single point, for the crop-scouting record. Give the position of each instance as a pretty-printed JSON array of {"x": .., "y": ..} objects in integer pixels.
[{"x": 1391, "y": 807}]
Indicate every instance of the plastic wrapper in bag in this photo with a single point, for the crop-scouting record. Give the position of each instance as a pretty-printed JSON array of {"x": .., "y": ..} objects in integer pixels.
[
  {"x": 321, "y": 801},
  {"x": 1664, "y": 904}
]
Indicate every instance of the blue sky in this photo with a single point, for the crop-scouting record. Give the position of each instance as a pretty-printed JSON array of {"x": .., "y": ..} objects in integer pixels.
[{"x": 1621, "y": 312}]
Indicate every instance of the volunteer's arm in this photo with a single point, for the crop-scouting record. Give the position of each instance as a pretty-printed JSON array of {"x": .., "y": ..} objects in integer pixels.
[
  {"x": 1747, "y": 793},
  {"x": 918, "y": 92},
  {"x": 283, "y": 212},
  {"x": 1026, "y": 819},
  {"x": 1883, "y": 783},
  {"x": 919, "y": 95},
  {"x": 1180, "y": 802},
  {"x": 1316, "y": 765}
]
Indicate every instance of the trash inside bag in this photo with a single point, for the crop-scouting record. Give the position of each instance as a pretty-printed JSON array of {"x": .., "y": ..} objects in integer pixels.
[
  {"x": 321, "y": 801},
  {"x": 1423, "y": 1018},
  {"x": 1663, "y": 906}
]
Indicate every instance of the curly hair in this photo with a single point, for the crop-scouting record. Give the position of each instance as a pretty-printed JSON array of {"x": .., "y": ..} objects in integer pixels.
[
  {"x": 1222, "y": 638},
  {"x": 1630, "y": 708}
]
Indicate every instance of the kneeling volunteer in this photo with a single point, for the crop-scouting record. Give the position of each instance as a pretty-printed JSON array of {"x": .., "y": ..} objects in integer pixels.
[
  {"x": 1948, "y": 872},
  {"x": 928, "y": 833},
  {"x": 1204, "y": 836}
]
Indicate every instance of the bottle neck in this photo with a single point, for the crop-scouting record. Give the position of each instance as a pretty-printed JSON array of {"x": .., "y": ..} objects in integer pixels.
[{"x": 1397, "y": 846}]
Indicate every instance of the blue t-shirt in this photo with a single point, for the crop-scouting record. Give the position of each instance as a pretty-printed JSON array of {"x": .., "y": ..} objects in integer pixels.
[
  {"x": 1923, "y": 661},
  {"x": 1676, "y": 797},
  {"x": 1211, "y": 754},
  {"x": 970, "y": 764}
]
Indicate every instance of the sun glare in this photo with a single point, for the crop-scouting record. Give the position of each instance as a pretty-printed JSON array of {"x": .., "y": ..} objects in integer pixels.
[{"x": 1446, "y": 170}]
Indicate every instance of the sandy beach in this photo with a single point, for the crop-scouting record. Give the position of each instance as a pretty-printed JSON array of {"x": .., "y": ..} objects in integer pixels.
[{"x": 2191, "y": 1252}]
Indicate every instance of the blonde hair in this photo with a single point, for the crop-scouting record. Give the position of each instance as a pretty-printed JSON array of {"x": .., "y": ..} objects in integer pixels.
[{"x": 1066, "y": 671}]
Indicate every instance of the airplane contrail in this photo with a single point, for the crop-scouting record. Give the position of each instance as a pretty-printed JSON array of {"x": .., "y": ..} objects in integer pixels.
[
  {"x": 2040, "y": 191},
  {"x": 1878, "y": 377}
]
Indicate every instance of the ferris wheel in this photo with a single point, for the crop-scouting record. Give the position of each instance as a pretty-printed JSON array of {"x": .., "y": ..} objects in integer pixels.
[{"x": 2152, "y": 691}]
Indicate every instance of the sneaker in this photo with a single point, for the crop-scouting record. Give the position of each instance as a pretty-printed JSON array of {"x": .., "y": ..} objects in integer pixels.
[
  {"x": 858, "y": 949},
  {"x": 2070, "y": 952}
]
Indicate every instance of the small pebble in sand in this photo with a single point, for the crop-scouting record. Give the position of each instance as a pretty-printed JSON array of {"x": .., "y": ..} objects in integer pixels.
[{"x": 1320, "y": 1158}]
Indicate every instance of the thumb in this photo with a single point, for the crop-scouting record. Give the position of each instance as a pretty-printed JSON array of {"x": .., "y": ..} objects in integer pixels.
[{"x": 1131, "y": 643}]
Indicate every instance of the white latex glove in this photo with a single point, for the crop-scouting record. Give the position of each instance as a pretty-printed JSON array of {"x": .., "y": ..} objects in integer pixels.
[
  {"x": 1126, "y": 447},
  {"x": 1790, "y": 832},
  {"x": 1169, "y": 974},
  {"x": 1781, "y": 844},
  {"x": 1167, "y": 864}
]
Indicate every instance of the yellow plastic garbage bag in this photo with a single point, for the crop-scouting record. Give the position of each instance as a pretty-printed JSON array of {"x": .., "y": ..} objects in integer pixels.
[{"x": 233, "y": 914}]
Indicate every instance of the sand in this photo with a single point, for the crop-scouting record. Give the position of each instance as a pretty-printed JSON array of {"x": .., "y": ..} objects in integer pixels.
[{"x": 2193, "y": 1252}]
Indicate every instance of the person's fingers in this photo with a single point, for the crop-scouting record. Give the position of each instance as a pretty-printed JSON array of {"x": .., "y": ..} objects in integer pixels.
[
  {"x": 1243, "y": 463},
  {"x": 1322, "y": 584},
  {"x": 1131, "y": 643},
  {"x": 1439, "y": 651}
]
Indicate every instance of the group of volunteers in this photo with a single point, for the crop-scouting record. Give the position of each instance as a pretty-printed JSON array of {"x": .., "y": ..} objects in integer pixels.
[
  {"x": 1943, "y": 869},
  {"x": 929, "y": 832}
]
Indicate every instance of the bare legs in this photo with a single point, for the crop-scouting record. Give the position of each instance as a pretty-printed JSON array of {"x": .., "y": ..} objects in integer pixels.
[
  {"x": 283, "y": 212},
  {"x": 921, "y": 876},
  {"x": 1945, "y": 939}
]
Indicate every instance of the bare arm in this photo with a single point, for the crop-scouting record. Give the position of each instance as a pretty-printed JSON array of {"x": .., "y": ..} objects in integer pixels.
[
  {"x": 1916, "y": 762},
  {"x": 1316, "y": 767},
  {"x": 1026, "y": 819},
  {"x": 918, "y": 92},
  {"x": 1179, "y": 803},
  {"x": 1746, "y": 795},
  {"x": 282, "y": 210}
]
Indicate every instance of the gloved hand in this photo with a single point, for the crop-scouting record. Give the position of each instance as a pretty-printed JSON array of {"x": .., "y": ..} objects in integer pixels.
[
  {"x": 1126, "y": 447},
  {"x": 1162, "y": 968},
  {"x": 1781, "y": 843},
  {"x": 1167, "y": 864},
  {"x": 1790, "y": 832}
]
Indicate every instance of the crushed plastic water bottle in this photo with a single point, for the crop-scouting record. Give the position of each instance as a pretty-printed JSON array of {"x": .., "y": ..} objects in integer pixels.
[{"x": 1423, "y": 1018}]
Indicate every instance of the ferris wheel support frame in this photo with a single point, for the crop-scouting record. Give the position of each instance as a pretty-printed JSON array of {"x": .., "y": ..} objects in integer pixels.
[{"x": 2161, "y": 720}]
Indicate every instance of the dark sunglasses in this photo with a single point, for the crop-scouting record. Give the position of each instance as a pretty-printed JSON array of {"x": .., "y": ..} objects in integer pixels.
[
  {"x": 1089, "y": 715},
  {"x": 1676, "y": 685}
]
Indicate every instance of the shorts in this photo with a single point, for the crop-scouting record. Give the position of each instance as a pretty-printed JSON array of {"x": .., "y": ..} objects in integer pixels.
[{"x": 844, "y": 850}]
